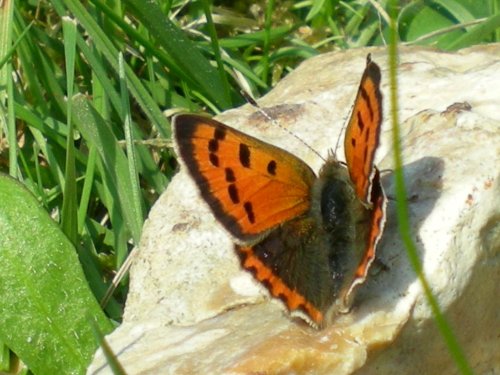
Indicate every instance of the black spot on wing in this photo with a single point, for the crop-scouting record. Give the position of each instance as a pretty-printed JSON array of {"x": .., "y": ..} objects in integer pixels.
[
  {"x": 229, "y": 173},
  {"x": 233, "y": 193},
  {"x": 368, "y": 102},
  {"x": 249, "y": 211},
  {"x": 271, "y": 168},
  {"x": 213, "y": 145},
  {"x": 214, "y": 159},
  {"x": 244, "y": 155},
  {"x": 219, "y": 133},
  {"x": 361, "y": 123}
]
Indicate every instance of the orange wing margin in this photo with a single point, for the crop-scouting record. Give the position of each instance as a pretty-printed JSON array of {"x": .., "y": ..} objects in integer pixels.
[{"x": 250, "y": 186}]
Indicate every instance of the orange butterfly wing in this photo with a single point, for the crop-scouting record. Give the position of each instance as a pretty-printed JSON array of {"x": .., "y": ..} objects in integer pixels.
[
  {"x": 251, "y": 186},
  {"x": 363, "y": 131}
]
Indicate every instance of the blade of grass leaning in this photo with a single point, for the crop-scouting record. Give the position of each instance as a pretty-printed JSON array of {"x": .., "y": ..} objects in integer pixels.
[
  {"x": 254, "y": 38},
  {"x": 216, "y": 48},
  {"x": 109, "y": 51},
  {"x": 317, "y": 6},
  {"x": 87, "y": 188},
  {"x": 5, "y": 56},
  {"x": 6, "y": 47},
  {"x": 494, "y": 8},
  {"x": 38, "y": 78},
  {"x": 53, "y": 129},
  {"x": 7, "y": 96},
  {"x": 98, "y": 133},
  {"x": 267, "y": 32},
  {"x": 402, "y": 207},
  {"x": 11, "y": 126},
  {"x": 111, "y": 358},
  {"x": 44, "y": 70},
  {"x": 136, "y": 201},
  {"x": 182, "y": 50},
  {"x": 44, "y": 297},
  {"x": 142, "y": 40},
  {"x": 455, "y": 9},
  {"x": 356, "y": 17},
  {"x": 108, "y": 90},
  {"x": 93, "y": 273},
  {"x": 476, "y": 34},
  {"x": 69, "y": 219}
]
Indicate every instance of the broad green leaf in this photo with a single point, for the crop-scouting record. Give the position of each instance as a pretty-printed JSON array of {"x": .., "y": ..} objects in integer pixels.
[{"x": 45, "y": 303}]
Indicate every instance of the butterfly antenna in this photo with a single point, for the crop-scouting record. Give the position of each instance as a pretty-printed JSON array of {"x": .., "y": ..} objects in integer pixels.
[
  {"x": 342, "y": 130},
  {"x": 252, "y": 102}
]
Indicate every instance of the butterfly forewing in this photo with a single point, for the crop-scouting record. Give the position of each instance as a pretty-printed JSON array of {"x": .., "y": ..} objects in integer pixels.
[
  {"x": 363, "y": 131},
  {"x": 250, "y": 186}
]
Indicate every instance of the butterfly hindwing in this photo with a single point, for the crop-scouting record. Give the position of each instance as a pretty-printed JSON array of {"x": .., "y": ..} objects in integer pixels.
[
  {"x": 251, "y": 186},
  {"x": 372, "y": 235},
  {"x": 290, "y": 262},
  {"x": 363, "y": 131}
]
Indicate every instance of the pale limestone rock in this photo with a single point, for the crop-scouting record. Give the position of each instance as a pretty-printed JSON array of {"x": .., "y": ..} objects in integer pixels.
[{"x": 192, "y": 310}]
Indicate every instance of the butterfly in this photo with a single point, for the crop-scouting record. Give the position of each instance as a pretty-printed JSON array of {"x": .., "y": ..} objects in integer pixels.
[{"x": 308, "y": 239}]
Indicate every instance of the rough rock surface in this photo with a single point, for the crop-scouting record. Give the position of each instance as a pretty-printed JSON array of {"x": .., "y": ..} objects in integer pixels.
[{"x": 192, "y": 310}]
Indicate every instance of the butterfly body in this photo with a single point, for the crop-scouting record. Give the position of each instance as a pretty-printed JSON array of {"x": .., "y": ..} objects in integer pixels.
[{"x": 308, "y": 239}]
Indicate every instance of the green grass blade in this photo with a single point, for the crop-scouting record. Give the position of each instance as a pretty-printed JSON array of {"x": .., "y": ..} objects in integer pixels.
[
  {"x": 254, "y": 38},
  {"x": 7, "y": 55},
  {"x": 44, "y": 297},
  {"x": 456, "y": 9},
  {"x": 317, "y": 7},
  {"x": 182, "y": 51},
  {"x": 215, "y": 47},
  {"x": 267, "y": 37},
  {"x": 7, "y": 96},
  {"x": 87, "y": 188},
  {"x": 98, "y": 134},
  {"x": 136, "y": 201},
  {"x": 476, "y": 34},
  {"x": 142, "y": 40},
  {"x": 494, "y": 8},
  {"x": 109, "y": 51},
  {"x": 402, "y": 207},
  {"x": 6, "y": 48},
  {"x": 11, "y": 126},
  {"x": 69, "y": 219},
  {"x": 114, "y": 365}
]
